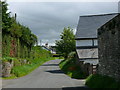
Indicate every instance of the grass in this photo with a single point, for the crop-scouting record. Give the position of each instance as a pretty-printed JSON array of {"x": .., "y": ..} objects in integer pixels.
[
  {"x": 19, "y": 71},
  {"x": 38, "y": 56},
  {"x": 11, "y": 77},
  {"x": 71, "y": 69},
  {"x": 99, "y": 81}
]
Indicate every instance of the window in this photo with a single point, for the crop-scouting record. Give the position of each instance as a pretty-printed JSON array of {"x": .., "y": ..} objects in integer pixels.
[
  {"x": 92, "y": 42},
  {"x": 84, "y": 43},
  {"x": 95, "y": 42}
]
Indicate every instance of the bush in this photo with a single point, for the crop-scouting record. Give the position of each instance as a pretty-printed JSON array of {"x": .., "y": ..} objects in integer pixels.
[
  {"x": 17, "y": 62},
  {"x": 9, "y": 59},
  {"x": 99, "y": 81},
  {"x": 70, "y": 68},
  {"x": 71, "y": 55}
]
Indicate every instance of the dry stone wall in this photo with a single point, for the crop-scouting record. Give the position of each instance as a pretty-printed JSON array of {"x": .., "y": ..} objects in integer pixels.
[{"x": 109, "y": 48}]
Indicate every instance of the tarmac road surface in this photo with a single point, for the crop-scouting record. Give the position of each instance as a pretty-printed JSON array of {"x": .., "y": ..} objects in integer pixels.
[{"x": 47, "y": 75}]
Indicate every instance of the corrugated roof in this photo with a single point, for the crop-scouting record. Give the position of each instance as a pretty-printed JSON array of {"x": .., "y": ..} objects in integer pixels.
[{"x": 88, "y": 25}]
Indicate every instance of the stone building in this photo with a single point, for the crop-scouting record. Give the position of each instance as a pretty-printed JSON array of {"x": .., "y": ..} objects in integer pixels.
[
  {"x": 109, "y": 48},
  {"x": 86, "y": 38}
]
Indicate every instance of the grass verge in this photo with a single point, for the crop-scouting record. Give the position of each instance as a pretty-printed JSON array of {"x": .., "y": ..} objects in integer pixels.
[
  {"x": 11, "y": 77},
  {"x": 99, "y": 81},
  {"x": 71, "y": 69},
  {"x": 19, "y": 71}
]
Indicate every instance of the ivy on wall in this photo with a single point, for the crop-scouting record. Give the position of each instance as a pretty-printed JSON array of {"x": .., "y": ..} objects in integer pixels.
[{"x": 17, "y": 40}]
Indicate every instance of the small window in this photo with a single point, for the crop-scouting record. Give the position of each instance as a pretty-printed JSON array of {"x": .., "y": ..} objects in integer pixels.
[
  {"x": 95, "y": 42},
  {"x": 84, "y": 43}
]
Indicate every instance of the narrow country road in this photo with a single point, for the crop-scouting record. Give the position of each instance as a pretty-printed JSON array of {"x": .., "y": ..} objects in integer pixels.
[{"x": 48, "y": 75}]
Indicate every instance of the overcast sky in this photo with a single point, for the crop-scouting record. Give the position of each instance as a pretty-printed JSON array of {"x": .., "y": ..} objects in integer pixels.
[{"x": 47, "y": 19}]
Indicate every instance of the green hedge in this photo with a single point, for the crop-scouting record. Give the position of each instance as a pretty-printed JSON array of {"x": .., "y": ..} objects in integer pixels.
[{"x": 99, "y": 81}]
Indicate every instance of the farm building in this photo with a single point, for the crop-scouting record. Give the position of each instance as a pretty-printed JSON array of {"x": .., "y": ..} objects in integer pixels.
[
  {"x": 86, "y": 38},
  {"x": 109, "y": 48}
]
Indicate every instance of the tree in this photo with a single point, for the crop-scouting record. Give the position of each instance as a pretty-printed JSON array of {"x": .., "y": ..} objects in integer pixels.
[
  {"x": 6, "y": 19},
  {"x": 67, "y": 42},
  {"x": 17, "y": 39}
]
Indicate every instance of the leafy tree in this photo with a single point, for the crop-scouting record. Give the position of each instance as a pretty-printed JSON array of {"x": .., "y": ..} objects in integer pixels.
[
  {"x": 17, "y": 39},
  {"x": 33, "y": 39},
  {"x": 6, "y": 19},
  {"x": 15, "y": 29},
  {"x": 67, "y": 42}
]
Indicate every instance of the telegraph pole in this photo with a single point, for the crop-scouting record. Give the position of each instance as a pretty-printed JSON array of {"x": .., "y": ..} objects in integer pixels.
[
  {"x": 40, "y": 42},
  {"x": 15, "y": 16}
]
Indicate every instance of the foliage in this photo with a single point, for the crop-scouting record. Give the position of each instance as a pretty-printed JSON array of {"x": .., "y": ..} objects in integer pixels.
[
  {"x": 11, "y": 77},
  {"x": 23, "y": 70},
  {"x": 40, "y": 56},
  {"x": 20, "y": 69},
  {"x": 99, "y": 81},
  {"x": 19, "y": 46},
  {"x": 67, "y": 42},
  {"x": 5, "y": 59},
  {"x": 6, "y": 19},
  {"x": 72, "y": 55},
  {"x": 71, "y": 69},
  {"x": 17, "y": 39},
  {"x": 38, "y": 52}
]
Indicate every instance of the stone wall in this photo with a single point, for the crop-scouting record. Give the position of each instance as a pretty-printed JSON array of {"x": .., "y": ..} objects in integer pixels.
[{"x": 109, "y": 48}]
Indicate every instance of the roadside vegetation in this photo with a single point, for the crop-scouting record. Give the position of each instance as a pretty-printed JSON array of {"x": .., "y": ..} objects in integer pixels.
[
  {"x": 66, "y": 48},
  {"x": 99, "y": 81},
  {"x": 20, "y": 52},
  {"x": 17, "y": 39},
  {"x": 67, "y": 42},
  {"x": 70, "y": 68},
  {"x": 22, "y": 67}
]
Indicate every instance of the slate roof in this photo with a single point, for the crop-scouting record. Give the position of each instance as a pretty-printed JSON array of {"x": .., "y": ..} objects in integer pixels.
[
  {"x": 87, "y": 53},
  {"x": 88, "y": 25}
]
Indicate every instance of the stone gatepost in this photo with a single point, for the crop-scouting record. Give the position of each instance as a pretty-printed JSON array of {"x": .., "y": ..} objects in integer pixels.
[{"x": 6, "y": 69}]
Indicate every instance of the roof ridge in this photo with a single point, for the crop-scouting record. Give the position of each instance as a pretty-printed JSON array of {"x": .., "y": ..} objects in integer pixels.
[{"x": 100, "y": 15}]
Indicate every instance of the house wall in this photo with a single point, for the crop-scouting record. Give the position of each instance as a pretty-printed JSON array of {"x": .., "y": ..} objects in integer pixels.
[
  {"x": 87, "y": 53},
  {"x": 109, "y": 48}
]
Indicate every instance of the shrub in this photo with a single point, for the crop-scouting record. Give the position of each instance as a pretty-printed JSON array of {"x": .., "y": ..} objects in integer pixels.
[
  {"x": 71, "y": 55},
  {"x": 99, "y": 81},
  {"x": 17, "y": 62},
  {"x": 9, "y": 59},
  {"x": 70, "y": 68}
]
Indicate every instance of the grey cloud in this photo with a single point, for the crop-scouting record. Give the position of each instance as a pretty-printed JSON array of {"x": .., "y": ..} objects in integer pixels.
[{"x": 47, "y": 20}]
